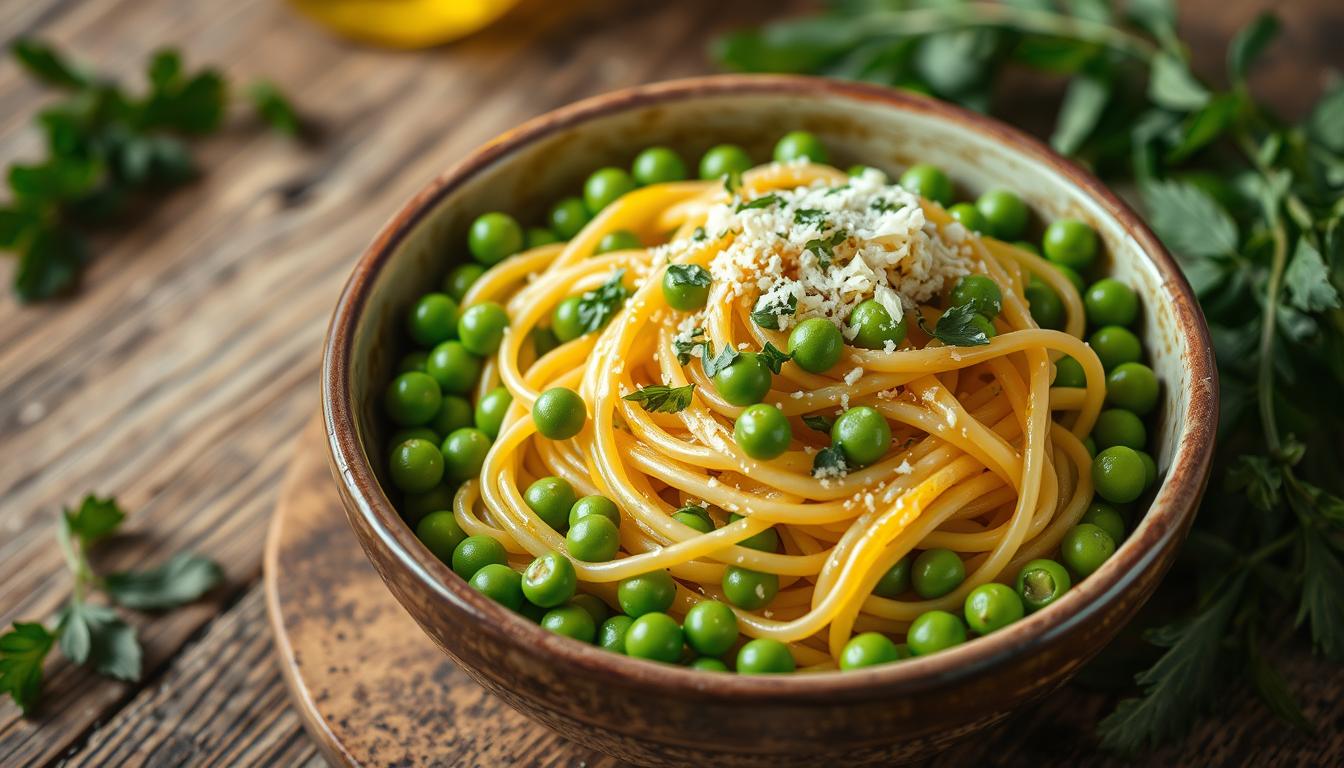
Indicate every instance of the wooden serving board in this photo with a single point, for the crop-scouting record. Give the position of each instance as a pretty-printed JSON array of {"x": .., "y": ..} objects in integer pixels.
[{"x": 372, "y": 689}]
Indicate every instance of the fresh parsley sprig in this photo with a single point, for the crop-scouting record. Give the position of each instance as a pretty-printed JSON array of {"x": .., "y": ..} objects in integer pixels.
[
  {"x": 107, "y": 150},
  {"x": 93, "y": 633},
  {"x": 1253, "y": 207},
  {"x": 956, "y": 327},
  {"x": 660, "y": 398},
  {"x": 597, "y": 307}
]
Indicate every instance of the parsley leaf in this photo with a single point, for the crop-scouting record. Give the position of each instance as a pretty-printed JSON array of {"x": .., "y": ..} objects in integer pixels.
[
  {"x": 22, "y": 651},
  {"x": 1322, "y": 595},
  {"x": 688, "y": 274},
  {"x": 275, "y": 108},
  {"x": 181, "y": 580},
  {"x": 732, "y": 181},
  {"x": 829, "y": 462},
  {"x": 1171, "y": 85},
  {"x": 809, "y": 217},
  {"x": 824, "y": 246},
  {"x": 819, "y": 422},
  {"x": 1308, "y": 280},
  {"x": 883, "y": 205},
  {"x": 698, "y": 234},
  {"x": 715, "y": 363},
  {"x": 1188, "y": 220},
  {"x": 597, "y": 307},
  {"x": 956, "y": 327},
  {"x": 94, "y": 518},
  {"x": 660, "y": 398},
  {"x": 767, "y": 315},
  {"x": 774, "y": 357},
  {"x": 764, "y": 201},
  {"x": 95, "y": 634},
  {"x": 684, "y": 348}
]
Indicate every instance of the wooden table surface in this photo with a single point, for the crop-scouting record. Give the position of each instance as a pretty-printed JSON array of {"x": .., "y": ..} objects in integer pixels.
[{"x": 179, "y": 376}]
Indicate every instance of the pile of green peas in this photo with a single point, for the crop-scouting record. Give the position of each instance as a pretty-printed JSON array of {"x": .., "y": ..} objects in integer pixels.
[{"x": 442, "y": 438}]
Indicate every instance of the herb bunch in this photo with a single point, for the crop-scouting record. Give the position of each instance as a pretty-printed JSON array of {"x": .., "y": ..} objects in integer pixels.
[
  {"x": 1253, "y": 207},
  {"x": 108, "y": 151},
  {"x": 93, "y": 633}
]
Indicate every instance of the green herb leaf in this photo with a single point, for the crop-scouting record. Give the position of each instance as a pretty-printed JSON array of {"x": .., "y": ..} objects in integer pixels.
[
  {"x": 1205, "y": 126},
  {"x": 767, "y": 315},
  {"x": 660, "y": 398},
  {"x": 1308, "y": 280},
  {"x": 1326, "y": 124},
  {"x": 774, "y": 358},
  {"x": 23, "y": 649},
  {"x": 698, "y": 234},
  {"x": 1322, "y": 595},
  {"x": 44, "y": 63},
  {"x": 824, "y": 247},
  {"x": 684, "y": 348},
  {"x": 1181, "y": 684},
  {"x": 275, "y": 108},
  {"x": 1172, "y": 86},
  {"x": 1188, "y": 220},
  {"x": 77, "y": 624},
  {"x": 179, "y": 581},
  {"x": 956, "y": 327},
  {"x": 805, "y": 217},
  {"x": 819, "y": 422},
  {"x": 49, "y": 264},
  {"x": 764, "y": 201},
  {"x": 829, "y": 462},
  {"x": 1249, "y": 43},
  {"x": 94, "y": 519},
  {"x": 1258, "y": 479},
  {"x": 1084, "y": 102},
  {"x": 1273, "y": 691},
  {"x": 1156, "y": 16},
  {"x": 688, "y": 274},
  {"x": 597, "y": 307},
  {"x": 165, "y": 69},
  {"x": 714, "y": 363}
]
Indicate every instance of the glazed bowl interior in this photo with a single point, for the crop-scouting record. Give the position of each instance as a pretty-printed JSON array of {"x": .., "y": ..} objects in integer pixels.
[{"x": 526, "y": 170}]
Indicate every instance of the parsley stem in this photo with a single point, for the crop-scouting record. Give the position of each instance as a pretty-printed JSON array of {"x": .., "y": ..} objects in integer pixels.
[{"x": 1265, "y": 372}]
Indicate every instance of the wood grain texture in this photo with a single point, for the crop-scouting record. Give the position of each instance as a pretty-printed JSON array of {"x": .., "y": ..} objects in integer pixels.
[{"x": 179, "y": 375}]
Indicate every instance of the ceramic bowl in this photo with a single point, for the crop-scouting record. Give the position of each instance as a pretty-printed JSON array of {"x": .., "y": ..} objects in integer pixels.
[{"x": 660, "y": 714}]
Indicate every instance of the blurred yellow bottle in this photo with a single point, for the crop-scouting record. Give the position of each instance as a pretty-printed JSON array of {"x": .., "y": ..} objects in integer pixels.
[{"x": 403, "y": 23}]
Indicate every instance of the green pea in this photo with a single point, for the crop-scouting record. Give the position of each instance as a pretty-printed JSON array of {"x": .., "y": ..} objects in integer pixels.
[
  {"x": 746, "y": 381},
  {"x": 412, "y": 399},
  {"x": 868, "y": 650},
  {"x": 494, "y": 237},
  {"x": 481, "y": 327},
  {"x": 646, "y": 593},
  {"x": 1072, "y": 275},
  {"x": 611, "y": 635},
  {"x": 594, "y": 539},
  {"x": 1085, "y": 547},
  {"x": 657, "y": 165},
  {"x": 1041, "y": 582},
  {"x": 711, "y": 628},
  {"x": 1132, "y": 386},
  {"x": 724, "y": 160},
  {"x": 863, "y": 434},
  {"x": 464, "y": 453},
  {"x": 985, "y": 326},
  {"x": 1149, "y": 469},
  {"x": 929, "y": 182},
  {"x": 460, "y": 280},
  {"x": 593, "y": 605},
  {"x": 559, "y": 413},
  {"x": 706, "y": 664},
  {"x": 415, "y": 506},
  {"x": 1116, "y": 426},
  {"x": 604, "y": 186},
  {"x": 874, "y": 327},
  {"x": 816, "y": 345},
  {"x": 749, "y": 589},
  {"x": 440, "y": 534},
  {"x": 1106, "y": 517},
  {"x": 762, "y": 431},
  {"x": 454, "y": 367},
  {"x": 969, "y": 216},
  {"x": 1005, "y": 213},
  {"x": 895, "y": 581},
  {"x": 762, "y": 541},
  {"x": 491, "y": 409},
  {"x": 415, "y": 466},
  {"x": 934, "y": 631},
  {"x": 764, "y": 656},
  {"x": 551, "y": 580},
  {"x": 937, "y": 572},
  {"x": 1115, "y": 345},
  {"x": 981, "y": 292},
  {"x": 569, "y": 217},
  {"x": 432, "y": 319},
  {"x": 565, "y": 321},
  {"x": 1069, "y": 373},
  {"x": 412, "y": 361},
  {"x": 1071, "y": 243},
  {"x": 686, "y": 286},
  {"x": 551, "y": 499},
  {"x": 474, "y": 553},
  {"x": 654, "y": 636},
  {"x": 990, "y": 607},
  {"x": 700, "y": 523},
  {"x": 799, "y": 145},
  {"x": 620, "y": 240},
  {"x": 1110, "y": 302},
  {"x": 454, "y": 413},
  {"x": 570, "y": 621},
  {"x": 1118, "y": 474},
  {"x": 501, "y": 584},
  {"x": 1045, "y": 305},
  {"x": 533, "y": 613},
  {"x": 539, "y": 236},
  {"x": 594, "y": 505}
]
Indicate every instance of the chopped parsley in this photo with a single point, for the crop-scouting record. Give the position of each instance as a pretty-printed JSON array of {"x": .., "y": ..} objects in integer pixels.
[
  {"x": 685, "y": 348},
  {"x": 767, "y": 315},
  {"x": 714, "y": 363},
  {"x": 829, "y": 462},
  {"x": 774, "y": 357},
  {"x": 819, "y": 422},
  {"x": 824, "y": 247},
  {"x": 688, "y": 274},
  {"x": 597, "y": 307},
  {"x": 809, "y": 216},
  {"x": 956, "y": 327},
  {"x": 764, "y": 201},
  {"x": 660, "y": 398},
  {"x": 883, "y": 205}
]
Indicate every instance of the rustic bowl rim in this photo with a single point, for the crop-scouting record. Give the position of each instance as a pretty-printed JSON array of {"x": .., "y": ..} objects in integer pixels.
[{"x": 1164, "y": 525}]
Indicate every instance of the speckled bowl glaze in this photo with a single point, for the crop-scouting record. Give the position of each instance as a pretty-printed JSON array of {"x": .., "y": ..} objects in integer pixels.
[{"x": 665, "y": 715}]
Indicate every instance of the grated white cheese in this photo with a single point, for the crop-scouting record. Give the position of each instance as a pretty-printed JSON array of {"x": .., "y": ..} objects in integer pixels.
[{"x": 854, "y": 376}]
